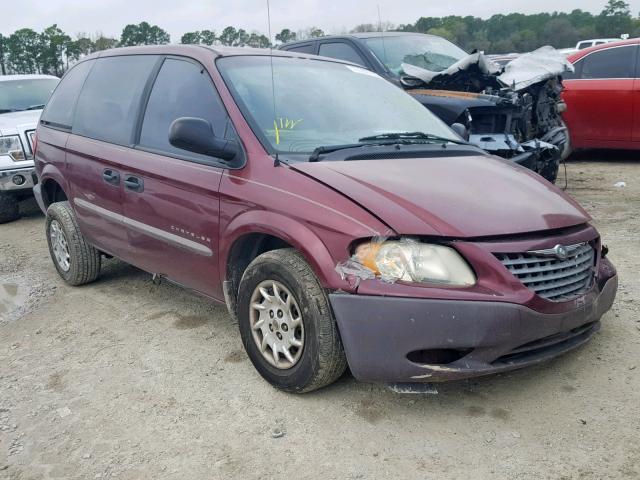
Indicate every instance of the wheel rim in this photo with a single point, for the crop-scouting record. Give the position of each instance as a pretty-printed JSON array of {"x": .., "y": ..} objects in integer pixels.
[
  {"x": 59, "y": 245},
  {"x": 276, "y": 324}
]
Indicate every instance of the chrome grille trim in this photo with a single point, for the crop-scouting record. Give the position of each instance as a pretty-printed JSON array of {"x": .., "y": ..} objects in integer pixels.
[
  {"x": 556, "y": 279},
  {"x": 30, "y": 134}
]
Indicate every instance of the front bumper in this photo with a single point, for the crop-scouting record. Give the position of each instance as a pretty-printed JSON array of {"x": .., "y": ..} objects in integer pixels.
[
  {"x": 7, "y": 183},
  {"x": 379, "y": 333}
]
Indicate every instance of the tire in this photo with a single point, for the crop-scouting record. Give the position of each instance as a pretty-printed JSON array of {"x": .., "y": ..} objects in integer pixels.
[
  {"x": 9, "y": 207},
  {"x": 83, "y": 261},
  {"x": 321, "y": 360},
  {"x": 551, "y": 169},
  {"x": 567, "y": 149}
]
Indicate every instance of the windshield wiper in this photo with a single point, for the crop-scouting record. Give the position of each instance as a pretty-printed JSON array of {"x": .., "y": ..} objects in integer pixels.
[
  {"x": 8, "y": 110},
  {"x": 408, "y": 136},
  {"x": 315, "y": 156},
  {"x": 35, "y": 107}
]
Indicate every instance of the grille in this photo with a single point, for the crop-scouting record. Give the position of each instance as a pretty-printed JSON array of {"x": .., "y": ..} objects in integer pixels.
[{"x": 550, "y": 277}]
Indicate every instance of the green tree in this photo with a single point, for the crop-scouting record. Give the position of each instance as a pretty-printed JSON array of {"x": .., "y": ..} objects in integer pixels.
[
  {"x": 143, "y": 34},
  {"x": 23, "y": 51},
  {"x": 208, "y": 37},
  {"x": 3, "y": 54},
  {"x": 228, "y": 36},
  {"x": 53, "y": 43},
  {"x": 285, "y": 36},
  {"x": 191, "y": 38},
  {"x": 615, "y": 19},
  {"x": 257, "y": 40},
  {"x": 316, "y": 32},
  {"x": 78, "y": 48},
  {"x": 103, "y": 43}
]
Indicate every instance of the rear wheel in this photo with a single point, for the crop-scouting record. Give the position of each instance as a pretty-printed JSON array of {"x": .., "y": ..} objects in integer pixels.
[
  {"x": 567, "y": 149},
  {"x": 9, "y": 207},
  {"x": 76, "y": 261},
  {"x": 287, "y": 325}
]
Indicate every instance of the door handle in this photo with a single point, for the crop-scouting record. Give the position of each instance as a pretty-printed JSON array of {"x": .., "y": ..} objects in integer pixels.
[
  {"x": 133, "y": 183},
  {"x": 111, "y": 176}
]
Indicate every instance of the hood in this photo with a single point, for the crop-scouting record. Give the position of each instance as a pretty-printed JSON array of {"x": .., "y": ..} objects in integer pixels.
[
  {"x": 472, "y": 196},
  {"x": 12, "y": 123},
  {"x": 519, "y": 74}
]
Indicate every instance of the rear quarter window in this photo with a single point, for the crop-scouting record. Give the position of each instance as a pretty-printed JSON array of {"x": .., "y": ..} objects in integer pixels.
[
  {"x": 61, "y": 105},
  {"x": 341, "y": 51},
  {"x": 110, "y": 100},
  {"x": 309, "y": 48}
]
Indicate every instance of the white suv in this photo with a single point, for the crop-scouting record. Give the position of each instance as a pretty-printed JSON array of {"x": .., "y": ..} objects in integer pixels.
[{"x": 22, "y": 98}]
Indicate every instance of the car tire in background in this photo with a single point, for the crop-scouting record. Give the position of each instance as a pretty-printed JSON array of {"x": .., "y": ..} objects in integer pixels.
[
  {"x": 567, "y": 149},
  {"x": 9, "y": 207},
  {"x": 282, "y": 306},
  {"x": 76, "y": 261}
]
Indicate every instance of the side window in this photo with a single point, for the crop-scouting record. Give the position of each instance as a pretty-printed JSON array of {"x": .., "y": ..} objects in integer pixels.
[
  {"x": 59, "y": 109},
  {"x": 109, "y": 102},
  {"x": 182, "y": 89},
  {"x": 309, "y": 48},
  {"x": 341, "y": 51},
  {"x": 610, "y": 63},
  {"x": 583, "y": 45}
]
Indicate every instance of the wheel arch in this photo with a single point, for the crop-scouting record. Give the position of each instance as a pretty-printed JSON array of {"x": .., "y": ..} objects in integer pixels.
[
  {"x": 254, "y": 233},
  {"x": 54, "y": 188}
]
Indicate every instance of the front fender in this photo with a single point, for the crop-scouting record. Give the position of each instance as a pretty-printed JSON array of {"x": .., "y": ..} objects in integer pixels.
[{"x": 295, "y": 233}]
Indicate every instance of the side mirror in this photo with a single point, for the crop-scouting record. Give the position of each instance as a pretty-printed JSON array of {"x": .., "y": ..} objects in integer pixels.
[
  {"x": 461, "y": 130},
  {"x": 196, "y": 135}
]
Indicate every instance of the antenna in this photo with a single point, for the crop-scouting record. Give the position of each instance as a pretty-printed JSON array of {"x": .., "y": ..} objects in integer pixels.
[
  {"x": 273, "y": 87},
  {"x": 384, "y": 48}
]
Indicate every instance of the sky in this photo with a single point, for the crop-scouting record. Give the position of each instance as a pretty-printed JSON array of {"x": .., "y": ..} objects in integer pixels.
[{"x": 180, "y": 16}]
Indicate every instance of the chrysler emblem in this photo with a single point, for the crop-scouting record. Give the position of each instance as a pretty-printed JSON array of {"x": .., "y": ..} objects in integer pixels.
[{"x": 559, "y": 251}]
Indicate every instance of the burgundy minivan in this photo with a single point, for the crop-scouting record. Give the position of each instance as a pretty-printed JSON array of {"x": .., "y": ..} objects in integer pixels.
[{"x": 341, "y": 222}]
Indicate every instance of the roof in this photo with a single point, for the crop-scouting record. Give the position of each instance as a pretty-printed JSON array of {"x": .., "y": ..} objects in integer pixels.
[
  {"x": 7, "y": 78},
  {"x": 574, "y": 57},
  {"x": 195, "y": 50},
  {"x": 362, "y": 35}
]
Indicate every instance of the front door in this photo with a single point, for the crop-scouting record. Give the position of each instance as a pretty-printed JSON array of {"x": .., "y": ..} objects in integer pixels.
[
  {"x": 600, "y": 97},
  {"x": 171, "y": 202}
]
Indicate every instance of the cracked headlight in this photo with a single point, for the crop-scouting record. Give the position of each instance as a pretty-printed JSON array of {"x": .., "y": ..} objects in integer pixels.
[
  {"x": 12, "y": 146},
  {"x": 412, "y": 261}
]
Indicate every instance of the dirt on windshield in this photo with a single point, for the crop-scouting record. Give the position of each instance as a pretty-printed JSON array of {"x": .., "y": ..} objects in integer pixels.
[{"x": 126, "y": 379}]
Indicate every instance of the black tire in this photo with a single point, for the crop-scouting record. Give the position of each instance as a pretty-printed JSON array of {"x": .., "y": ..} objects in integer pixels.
[
  {"x": 322, "y": 360},
  {"x": 551, "y": 169},
  {"x": 9, "y": 207},
  {"x": 84, "y": 259},
  {"x": 567, "y": 150}
]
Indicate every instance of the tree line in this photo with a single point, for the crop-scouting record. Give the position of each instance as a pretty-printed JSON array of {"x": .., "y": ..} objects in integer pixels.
[{"x": 52, "y": 50}]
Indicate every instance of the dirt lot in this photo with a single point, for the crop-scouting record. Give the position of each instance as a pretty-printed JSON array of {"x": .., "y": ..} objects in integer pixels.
[{"x": 125, "y": 379}]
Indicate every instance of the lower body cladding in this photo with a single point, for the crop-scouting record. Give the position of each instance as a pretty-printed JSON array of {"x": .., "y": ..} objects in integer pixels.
[{"x": 404, "y": 340}]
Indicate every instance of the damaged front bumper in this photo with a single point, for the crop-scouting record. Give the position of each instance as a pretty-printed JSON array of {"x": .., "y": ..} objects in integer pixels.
[{"x": 404, "y": 340}]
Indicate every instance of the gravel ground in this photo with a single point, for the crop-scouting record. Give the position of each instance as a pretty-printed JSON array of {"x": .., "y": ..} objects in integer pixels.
[{"x": 126, "y": 379}]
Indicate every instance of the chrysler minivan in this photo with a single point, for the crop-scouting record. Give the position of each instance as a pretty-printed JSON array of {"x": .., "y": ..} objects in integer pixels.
[{"x": 340, "y": 221}]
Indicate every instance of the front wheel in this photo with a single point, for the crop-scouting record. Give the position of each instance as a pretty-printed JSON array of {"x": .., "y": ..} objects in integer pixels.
[
  {"x": 9, "y": 207},
  {"x": 286, "y": 323},
  {"x": 76, "y": 261}
]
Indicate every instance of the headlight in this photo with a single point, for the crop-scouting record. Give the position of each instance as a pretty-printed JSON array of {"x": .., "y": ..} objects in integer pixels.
[
  {"x": 412, "y": 261},
  {"x": 12, "y": 146}
]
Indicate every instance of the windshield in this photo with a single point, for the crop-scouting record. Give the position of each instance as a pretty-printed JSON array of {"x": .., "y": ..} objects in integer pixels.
[
  {"x": 433, "y": 53},
  {"x": 319, "y": 103},
  {"x": 19, "y": 95}
]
